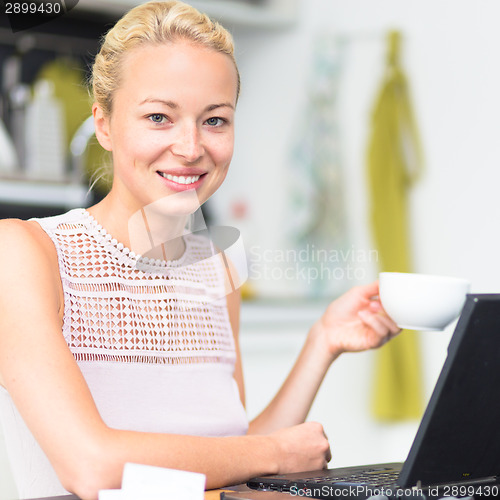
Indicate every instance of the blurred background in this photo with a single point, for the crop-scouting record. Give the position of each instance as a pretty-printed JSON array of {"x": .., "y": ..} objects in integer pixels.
[{"x": 299, "y": 188}]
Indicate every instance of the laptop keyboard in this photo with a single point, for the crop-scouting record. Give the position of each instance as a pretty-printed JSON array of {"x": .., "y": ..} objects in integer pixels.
[{"x": 374, "y": 478}]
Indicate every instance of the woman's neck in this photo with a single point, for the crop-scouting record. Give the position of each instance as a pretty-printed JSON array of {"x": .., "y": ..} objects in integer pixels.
[{"x": 153, "y": 230}]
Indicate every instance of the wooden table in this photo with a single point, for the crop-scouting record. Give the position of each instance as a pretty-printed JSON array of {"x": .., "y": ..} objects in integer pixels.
[{"x": 209, "y": 495}]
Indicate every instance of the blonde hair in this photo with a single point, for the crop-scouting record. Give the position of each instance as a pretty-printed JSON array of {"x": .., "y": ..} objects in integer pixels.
[{"x": 153, "y": 23}]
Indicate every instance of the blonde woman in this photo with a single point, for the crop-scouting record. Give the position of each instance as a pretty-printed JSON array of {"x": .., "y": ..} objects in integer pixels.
[{"x": 109, "y": 356}]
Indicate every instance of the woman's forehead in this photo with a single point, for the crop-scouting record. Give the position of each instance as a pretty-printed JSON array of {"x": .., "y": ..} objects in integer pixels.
[
  {"x": 179, "y": 67},
  {"x": 178, "y": 58}
]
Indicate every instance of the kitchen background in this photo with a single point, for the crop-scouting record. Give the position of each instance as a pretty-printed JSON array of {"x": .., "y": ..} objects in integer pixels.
[{"x": 306, "y": 66}]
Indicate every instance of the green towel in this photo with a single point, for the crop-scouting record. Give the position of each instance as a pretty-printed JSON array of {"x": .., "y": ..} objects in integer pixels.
[{"x": 394, "y": 163}]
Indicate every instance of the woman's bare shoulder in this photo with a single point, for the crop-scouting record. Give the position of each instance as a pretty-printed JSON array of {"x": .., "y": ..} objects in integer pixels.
[
  {"x": 20, "y": 239},
  {"x": 28, "y": 257}
]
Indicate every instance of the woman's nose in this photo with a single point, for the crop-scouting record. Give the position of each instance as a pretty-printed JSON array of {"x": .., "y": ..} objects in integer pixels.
[{"x": 188, "y": 144}]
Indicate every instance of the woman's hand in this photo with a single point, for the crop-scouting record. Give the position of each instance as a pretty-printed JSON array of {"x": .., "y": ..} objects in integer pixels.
[
  {"x": 303, "y": 447},
  {"x": 356, "y": 321}
]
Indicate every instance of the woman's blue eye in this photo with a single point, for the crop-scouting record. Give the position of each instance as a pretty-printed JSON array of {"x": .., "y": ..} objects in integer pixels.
[
  {"x": 157, "y": 118},
  {"x": 215, "y": 122}
]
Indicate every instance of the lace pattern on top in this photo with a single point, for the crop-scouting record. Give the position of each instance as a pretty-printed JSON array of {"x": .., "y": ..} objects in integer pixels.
[{"x": 119, "y": 306}]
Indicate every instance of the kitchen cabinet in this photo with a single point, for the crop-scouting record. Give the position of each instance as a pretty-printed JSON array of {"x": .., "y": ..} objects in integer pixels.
[{"x": 74, "y": 39}]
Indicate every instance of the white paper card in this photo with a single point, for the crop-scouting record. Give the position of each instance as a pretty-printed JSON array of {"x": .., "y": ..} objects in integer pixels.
[{"x": 157, "y": 483}]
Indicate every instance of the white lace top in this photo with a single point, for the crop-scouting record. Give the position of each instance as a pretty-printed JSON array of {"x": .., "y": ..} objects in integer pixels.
[{"x": 152, "y": 339}]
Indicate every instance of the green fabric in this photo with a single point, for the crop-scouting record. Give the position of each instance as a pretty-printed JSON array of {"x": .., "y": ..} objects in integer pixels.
[
  {"x": 394, "y": 163},
  {"x": 69, "y": 87}
]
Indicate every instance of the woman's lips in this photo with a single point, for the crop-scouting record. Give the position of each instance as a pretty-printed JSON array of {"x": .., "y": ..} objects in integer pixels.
[{"x": 181, "y": 182}]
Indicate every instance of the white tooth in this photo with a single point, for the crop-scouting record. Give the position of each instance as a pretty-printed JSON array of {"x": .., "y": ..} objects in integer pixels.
[{"x": 180, "y": 179}]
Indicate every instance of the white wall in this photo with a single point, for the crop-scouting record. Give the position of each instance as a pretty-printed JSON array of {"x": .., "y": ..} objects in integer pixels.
[{"x": 450, "y": 56}]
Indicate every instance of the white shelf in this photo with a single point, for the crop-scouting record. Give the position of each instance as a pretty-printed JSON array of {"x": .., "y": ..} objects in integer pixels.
[
  {"x": 43, "y": 193},
  {"x": 263, "y": 14}
]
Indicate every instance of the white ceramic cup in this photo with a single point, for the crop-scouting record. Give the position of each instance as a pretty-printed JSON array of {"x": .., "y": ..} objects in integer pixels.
[{"x": 422, "y": 301}]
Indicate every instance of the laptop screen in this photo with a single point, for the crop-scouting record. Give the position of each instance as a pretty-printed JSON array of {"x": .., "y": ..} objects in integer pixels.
[{"x": 458, "y": 438}]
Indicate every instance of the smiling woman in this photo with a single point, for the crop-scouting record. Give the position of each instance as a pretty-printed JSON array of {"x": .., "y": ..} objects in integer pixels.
[{"x": 119, "y": 330}]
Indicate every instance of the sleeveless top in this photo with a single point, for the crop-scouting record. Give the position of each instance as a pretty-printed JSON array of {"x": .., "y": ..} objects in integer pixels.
[{"x": 151, "y": 337}]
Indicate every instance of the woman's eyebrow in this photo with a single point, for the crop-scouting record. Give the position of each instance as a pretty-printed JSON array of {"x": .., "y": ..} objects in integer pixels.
[
  {"x": 170, "y": 104},
  {"x": 173, "y": 105},
  {"x": 222, "y": 105}
]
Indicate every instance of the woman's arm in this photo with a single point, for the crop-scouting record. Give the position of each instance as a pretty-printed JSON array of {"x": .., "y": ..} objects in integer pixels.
[
  {"x": 46, "y": 385},
  {"x": 354, "y": 322}
]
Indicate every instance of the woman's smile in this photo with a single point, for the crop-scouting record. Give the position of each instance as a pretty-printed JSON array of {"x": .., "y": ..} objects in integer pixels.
[{"x": 181, "y": 182}]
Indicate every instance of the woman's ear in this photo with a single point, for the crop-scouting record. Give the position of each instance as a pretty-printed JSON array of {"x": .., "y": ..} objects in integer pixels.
[{"x": 101, "y": 125}]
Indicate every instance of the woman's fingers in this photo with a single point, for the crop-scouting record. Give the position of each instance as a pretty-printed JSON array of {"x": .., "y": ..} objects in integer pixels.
[
  {"x": 389, "y": 323},
  {"x": 380, "y": 323}
]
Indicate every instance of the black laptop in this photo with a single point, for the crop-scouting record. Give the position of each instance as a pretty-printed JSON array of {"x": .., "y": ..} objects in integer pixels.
[{"x": 456, "y": 451}]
